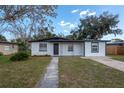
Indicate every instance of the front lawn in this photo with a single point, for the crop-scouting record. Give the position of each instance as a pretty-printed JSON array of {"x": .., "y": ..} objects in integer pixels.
[
  {"x": 21, "y": 74},
  {"x": 77, "y": 72},
  {"x": 4, "y": 59},
  {"x": 118, "y": 57}
]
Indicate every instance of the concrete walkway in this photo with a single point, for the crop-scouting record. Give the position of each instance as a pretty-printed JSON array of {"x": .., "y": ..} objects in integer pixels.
[
  {"x": 50, "y": 79},
  {"x": 109, "y": 62}
]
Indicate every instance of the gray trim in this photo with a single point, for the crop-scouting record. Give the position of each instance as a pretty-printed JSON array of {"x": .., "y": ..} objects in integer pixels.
[
  {"x": 105, "y": 49},
  {"x": 97, "y": 45},
  {"x": 84, "y": 49}
]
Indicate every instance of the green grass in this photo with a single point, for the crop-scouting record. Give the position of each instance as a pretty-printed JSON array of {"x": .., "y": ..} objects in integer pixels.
[
  {"x": 21, "y": 74},
  {"x": 117, "y": 57},
  {"x": 4, "y": 59},
  {"x": 75, "y": 72}
]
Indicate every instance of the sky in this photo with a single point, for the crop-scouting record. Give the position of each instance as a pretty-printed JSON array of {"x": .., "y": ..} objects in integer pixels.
[{"x": 69, "y": 15}]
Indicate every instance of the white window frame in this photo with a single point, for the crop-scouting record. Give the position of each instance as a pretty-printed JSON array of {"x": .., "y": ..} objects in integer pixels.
[
  {"x": 95, "y": 47},
  {"x": 70, "y": 47},
  {"x": 42, "y": 47}
]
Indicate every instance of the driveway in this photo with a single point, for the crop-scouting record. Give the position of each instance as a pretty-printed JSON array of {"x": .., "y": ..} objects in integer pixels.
[{"x": 108, "y": 62}]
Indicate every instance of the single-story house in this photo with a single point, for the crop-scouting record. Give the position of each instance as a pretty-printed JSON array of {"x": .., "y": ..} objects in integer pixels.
[
  {"x": 65, "y": 47},
  {"x": 115, "y": 48},
  {"x": 8, "y": 48}
]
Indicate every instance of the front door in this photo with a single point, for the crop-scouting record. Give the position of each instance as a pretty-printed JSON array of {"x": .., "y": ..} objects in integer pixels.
[{"x": 56, "y": 49}]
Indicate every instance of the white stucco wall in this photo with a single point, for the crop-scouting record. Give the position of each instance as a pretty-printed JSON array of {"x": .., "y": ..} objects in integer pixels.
[
  {"x": 101, "y": 52},
  {"x": 63, "y": 49},
  {"x": 77, "y": 49},
  {"x": 35, "y": 49}
]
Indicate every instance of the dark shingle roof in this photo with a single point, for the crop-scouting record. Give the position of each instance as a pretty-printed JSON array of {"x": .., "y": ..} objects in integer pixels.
[
  {"x": 5, "y": 42},
  {"x": 58, "y": 39},
  {"x": 115, "y": 43}
]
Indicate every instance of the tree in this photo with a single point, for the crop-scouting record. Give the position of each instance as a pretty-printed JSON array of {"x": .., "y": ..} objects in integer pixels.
[
  {"x": 2, "y": 38},
  {"x": 71, "y": 37},
  {"x": 24, "y": 21},
  {"x": 44, "y": 33},
  {"x": 61, "y": 35},
  {"x": 22, "y": 46},
  {"x": 95, "y": 27}
]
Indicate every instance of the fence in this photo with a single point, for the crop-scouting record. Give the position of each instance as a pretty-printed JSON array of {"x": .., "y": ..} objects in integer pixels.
[{"x": 115, "y": 50}]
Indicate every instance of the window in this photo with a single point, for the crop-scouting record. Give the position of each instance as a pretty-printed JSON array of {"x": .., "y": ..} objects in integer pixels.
[
  {"x": 94, "y": 47},
  {"x": 70, "y": 47},
  {"x": 42, "y": 47},
  {"x": 6, "y": 48}
]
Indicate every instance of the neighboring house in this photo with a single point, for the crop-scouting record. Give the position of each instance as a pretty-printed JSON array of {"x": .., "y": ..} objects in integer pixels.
[
  {"x": 64, "y": 47},
  {"x": 115, "y": 48},
  {"x": 8, "y": 48}
]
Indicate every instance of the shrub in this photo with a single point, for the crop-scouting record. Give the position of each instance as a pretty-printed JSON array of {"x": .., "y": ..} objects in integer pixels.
[
  {"x": 1, "y": 54},
  {"x": 47, "y": 55},
  {"x": 19, "y": 56},
  {"x": 41, "y": 55}
]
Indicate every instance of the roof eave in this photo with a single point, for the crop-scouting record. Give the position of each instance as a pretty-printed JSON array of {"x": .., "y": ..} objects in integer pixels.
[{"x": 71, "y": 41}]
